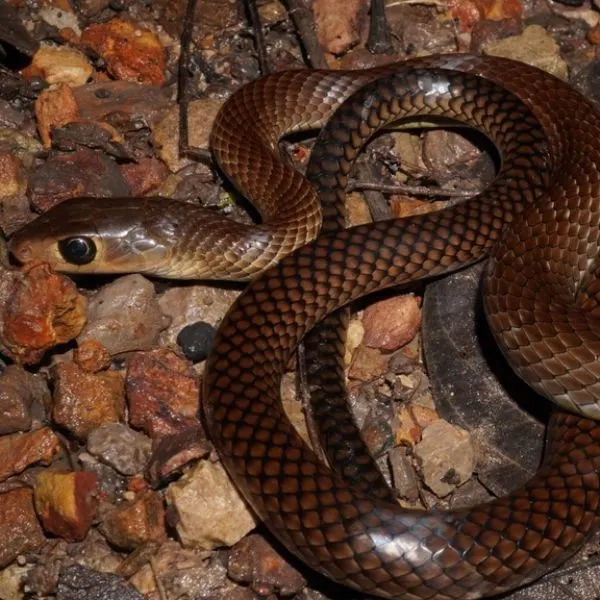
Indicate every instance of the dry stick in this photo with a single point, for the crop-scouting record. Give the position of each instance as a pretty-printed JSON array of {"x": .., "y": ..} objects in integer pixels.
[
  {"x": 301, "y": 13},
  {"x": 378, "y": 207},
  {"x": 380, "y": 38},
  {"x": 183, "y": 87},
  {"x": 259, "y": 37},
  {"x": 415, "y": 190}
]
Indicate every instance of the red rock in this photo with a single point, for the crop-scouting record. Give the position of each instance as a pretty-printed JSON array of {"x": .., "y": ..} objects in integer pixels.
[
  {"x": 133, "y": 524},
  {"x": 131, "y": 52},
  {"x": 163, "y": 393},
  {"x": 20, "y": 450},
  {"x": 84, "y": 401},
  {"x": 392, "y": 323},
  {"x": 144, "y": 176},
  {"x": 53, "y": 108},
  {"x": 66, "y": 502},
  {"x": 91, "y": 356},
  {"x": 20, "y": 530},
  {"x": 44, "y": 309}
]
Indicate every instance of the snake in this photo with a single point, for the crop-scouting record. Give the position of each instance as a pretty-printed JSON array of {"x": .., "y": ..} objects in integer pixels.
[{"x": 538, "y": 225}]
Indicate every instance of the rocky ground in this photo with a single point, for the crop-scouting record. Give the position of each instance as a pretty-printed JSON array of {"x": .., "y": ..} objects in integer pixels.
[{"x": 109, "y": 486}]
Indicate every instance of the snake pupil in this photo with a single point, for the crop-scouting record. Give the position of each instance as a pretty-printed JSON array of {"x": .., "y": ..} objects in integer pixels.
[{"x": 77, "y": 250}]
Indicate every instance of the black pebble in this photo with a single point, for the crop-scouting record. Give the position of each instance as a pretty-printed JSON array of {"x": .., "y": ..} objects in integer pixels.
[{"x": 196, "y": 340}]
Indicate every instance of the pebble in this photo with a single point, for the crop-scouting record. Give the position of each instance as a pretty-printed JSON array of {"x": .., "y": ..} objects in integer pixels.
[
  {"x": 209, "y": 510},
  {"x": 60, "y": 64},
  {"x": 20, "y": 531},
  {"x": 125, "y": 450},
  {"x": 66, "y": 502},
  {"x": 196, "y": 340},
  {"x": 338, "y": 23},
  {"x": 446, "y": 457},
  {"x": 78, "y": 582}
]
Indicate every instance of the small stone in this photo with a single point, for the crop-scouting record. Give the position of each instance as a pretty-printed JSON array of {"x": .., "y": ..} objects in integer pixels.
[
  {"x": 124, "y": 316},
  {"x": 60, "y": 64},
  {"x": 131, "y": 52},
  {"x": 18, "y": 390},
  {"x": 446, "y": 456},
  {"x": 20, "y": 531},
  {"x": 13, "y": 178},
  {"x": 196, "y": 340},
  {"x": 91, "y": 8},
  {"x": 209, "y": 510},
  {"x": 411, "y": 420},
  {"x": 338, "y": 23},
  {"x": 83, "y": 172},
  {"x": 144, "y": 176},
  {"x": 201, "y": 114},
  {"x": 358, "y": 210},
  {"x": 354, "y": 337},
  {"x": 91, "y": 356},
  {"x": 44, "y": 309},
  {"x": 133, "y": 524},
  {"x": 392, "y": 323},
  {"x": 163, "y": 392},
  {"x": 84, "y": 401},
  {"x": 54, "y": 108},
  {"x": 535, "y": 46},
  {"x": 20, "y": 450},
  {"x": 66, "y": 502},
  {"x": 367, "y": 364},
  {"x": 111, "y": 484},
  {"x": 405, "y": 477},
  {"x": 81, "y": 583},
  {"x": 254, "y": 561},
  {"x": 117, "y": 445},
  {"x": 12, "y": 581}
]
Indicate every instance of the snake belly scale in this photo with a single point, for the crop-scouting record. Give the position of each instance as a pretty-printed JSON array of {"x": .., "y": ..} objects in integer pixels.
[{"x": 539, "y": 222}]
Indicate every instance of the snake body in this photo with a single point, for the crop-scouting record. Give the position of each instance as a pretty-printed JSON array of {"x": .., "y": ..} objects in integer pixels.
[{"x": 539, "y": 222}]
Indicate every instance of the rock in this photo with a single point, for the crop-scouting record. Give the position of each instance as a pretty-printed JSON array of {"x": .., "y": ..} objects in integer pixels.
[
  {"x": 392, "y": 323},
  {"x": 20, "y": 531},
  {"x": 111, "y": 484},
  {"x": 131, "y": 52},
  {"x": 83, "y": 172},
  {"x": 196, "y": 340},
  {"x": 486, "y": 31},
  {"x": 124, "y": 316},
  {"x": 117, "y": 445},
  {"x": 189, "y": 304},
  {"x": 163, "y": 393},
  {"x": 354, "y": 337},
  {"x": 410, "y": 422},
  {"x": 174, "y": 452},
  {"x": 18, "y": 390},
  {"x": 12, "y": 581},
  {"x": 84, "y": 401},
  {"x": 91, "y": 8},
  {"x": 20, "y": 450},
  {"x": 367, "y": 363},
  {"x": 53, "y": 108},
  {"x": 209, "y": 510},
  {"x": 81, "y": 583},
  {"x": 534, "y": 47},
  {"x": 91, "y": 356},
  {"x": 338, "y": 23},
  {"x": 358, "y": 210},
  {"x": 60, "y": 64},
  {"x": 406, "y": 482},
  {"x": 133, "y": 524},
  {"x": 446, "y": 456},
  {"x": 254, "y": 561},
  {"x": 144, "y": 176},
  {"x": 44, "y": 309},
  {"x": 201, "y": 114},
  {"x": 13, "y": 178},
  {"x": 66, "y": 502},
  {"x": 15, "y": 212}
]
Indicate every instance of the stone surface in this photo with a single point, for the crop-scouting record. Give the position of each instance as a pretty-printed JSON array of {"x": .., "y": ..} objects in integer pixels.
[
  {"x": 60, "y": 64},
  {"x": 81, "y": 583},
  {"x": 20, "y": 450},
  {"x": 209, "y": 510}
]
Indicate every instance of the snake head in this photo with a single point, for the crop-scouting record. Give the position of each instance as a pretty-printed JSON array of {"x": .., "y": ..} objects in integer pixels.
[{"x": 98, "y": 235}]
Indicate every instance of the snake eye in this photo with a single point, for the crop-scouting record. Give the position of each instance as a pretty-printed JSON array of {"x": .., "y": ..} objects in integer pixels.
[{"x": 77, "y": 250}]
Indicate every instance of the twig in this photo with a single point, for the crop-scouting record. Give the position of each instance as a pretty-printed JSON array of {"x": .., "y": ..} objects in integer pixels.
[
  {"x": 378, "y": 207},
  {"x": 380, "y": 38},
  {"x": 183, "y": 87},
  {"x": 259, "y": 37},
  {"x": 301, "y": 14},
  {"x": 416, "y": 190}
]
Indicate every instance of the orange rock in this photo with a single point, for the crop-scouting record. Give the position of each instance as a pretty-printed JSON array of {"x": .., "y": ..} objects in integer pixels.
[
  {"x": 84, "y": 401},
  {"x": 163, "y": 392},
  {"x": 412, "y": 419},
  {"x": 469, "y": 12},
  {"x": 21, "y": 450},
  {"x": 338, "y": 23},
  {"x": 54, "y": 108},
  {"x": 66, "y": 502},
  {"x": 13, "y": 179},
  {"x": 44, "y": 309},
  {"x": 132, "y": 53},
  {"x": 91, "y": 356},
  {"x": 135, "y": 523},
  {"x": 367, "y": 363},
  {"x": 20, "y": 530},
  {"x": 392, "y": 323}
]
